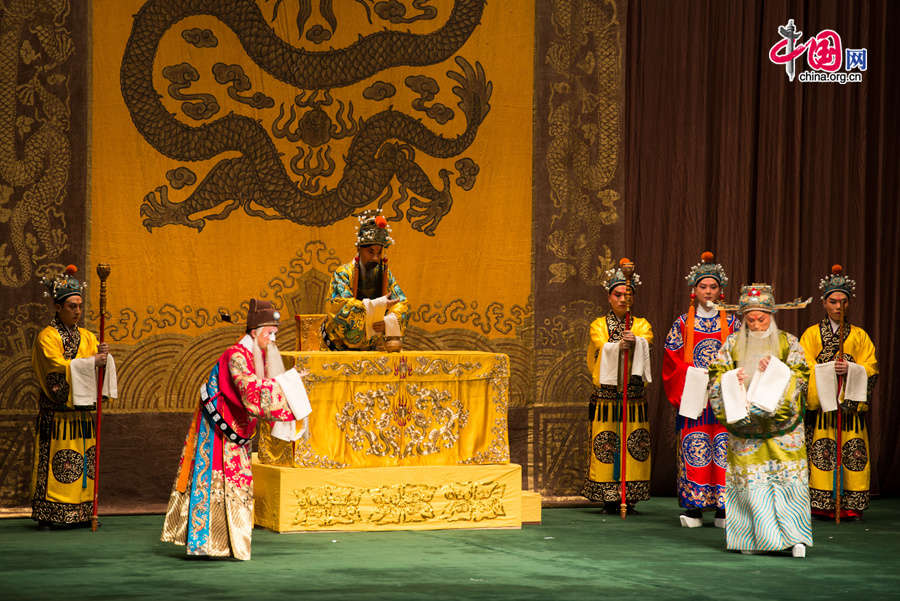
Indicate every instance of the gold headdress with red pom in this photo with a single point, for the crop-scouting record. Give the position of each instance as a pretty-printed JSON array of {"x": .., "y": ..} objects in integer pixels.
[{"x": 761, "y": 297}]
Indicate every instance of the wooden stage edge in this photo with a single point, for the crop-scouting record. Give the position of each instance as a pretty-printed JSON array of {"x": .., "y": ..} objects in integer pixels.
[{"x": 374, "y": 499}]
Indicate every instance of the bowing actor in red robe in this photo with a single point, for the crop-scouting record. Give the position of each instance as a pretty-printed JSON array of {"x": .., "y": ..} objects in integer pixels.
[{"x": 211, "y": 506}]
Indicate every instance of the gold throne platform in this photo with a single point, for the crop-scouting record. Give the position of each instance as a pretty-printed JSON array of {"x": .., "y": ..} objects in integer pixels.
[{"x": 397, "y": 441}]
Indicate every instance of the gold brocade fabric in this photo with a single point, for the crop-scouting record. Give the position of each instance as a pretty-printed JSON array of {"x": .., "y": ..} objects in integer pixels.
[
  {"x": 374, "y": 409},
  {"x": 219, "y": 544}
]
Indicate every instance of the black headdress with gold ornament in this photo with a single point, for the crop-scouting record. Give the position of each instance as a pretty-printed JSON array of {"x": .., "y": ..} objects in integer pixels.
[
  {"x": 373, "y": 229},
  {"x": 837, "y": 281},
  {"x": 63, "y": 285},
  {"x": 707, "y": 268},
  {"x": 621, "y": 274}
]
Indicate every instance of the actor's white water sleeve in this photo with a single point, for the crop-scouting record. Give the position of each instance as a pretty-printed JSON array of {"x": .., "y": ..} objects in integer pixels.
[
  {"x": 374, "y": 313},
  {"x": 767, "y": 388},
  {"x": 734, "y": 397},
  {"x": 295, "y": 392},
  {"x": 83, "y": 374},
  {"x": 857, "y": 383},
  {"x": 693, "y": 397},
  {"x": 826, "y": 385},
  {"x": 392, "y": 325}
]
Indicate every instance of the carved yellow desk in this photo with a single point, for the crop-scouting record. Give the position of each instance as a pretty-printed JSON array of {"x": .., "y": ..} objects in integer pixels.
[
  {"x": 410, "y": 440},
  {"x": 374, "y": 409}
]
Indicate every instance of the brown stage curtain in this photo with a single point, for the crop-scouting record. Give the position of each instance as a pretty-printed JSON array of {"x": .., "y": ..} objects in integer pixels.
[{"x": 781, "y": 179}]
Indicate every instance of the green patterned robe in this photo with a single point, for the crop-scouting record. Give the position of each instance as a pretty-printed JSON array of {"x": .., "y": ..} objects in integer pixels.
[
  {"x": 767, "y": 483},
  {"x": 345, "y": 328}
]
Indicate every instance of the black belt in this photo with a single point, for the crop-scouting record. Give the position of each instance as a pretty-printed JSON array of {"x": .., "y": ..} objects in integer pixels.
[{"x": 215, "y": 419}]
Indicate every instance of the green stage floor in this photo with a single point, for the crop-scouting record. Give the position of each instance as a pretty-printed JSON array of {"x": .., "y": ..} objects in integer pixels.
[{"x": 577, "y": 553}]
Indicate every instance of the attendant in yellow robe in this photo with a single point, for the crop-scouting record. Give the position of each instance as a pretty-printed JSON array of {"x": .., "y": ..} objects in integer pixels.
[
  {"x": 608, "y": 338},
  {"x": 63, "y": 476},
  {"x": 821, "y": 343}
]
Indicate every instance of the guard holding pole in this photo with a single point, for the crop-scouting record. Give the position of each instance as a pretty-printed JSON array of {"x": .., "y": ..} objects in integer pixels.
[{"x": 618, "y": 357}]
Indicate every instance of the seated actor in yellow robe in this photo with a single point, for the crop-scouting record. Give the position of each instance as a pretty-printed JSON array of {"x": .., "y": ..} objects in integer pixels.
[
  {"x": 610, "y": 337},
  {"x": 64, "y": 358},
  {"x": 858, "y": 370},
  {"x": 366, "y": 307}
]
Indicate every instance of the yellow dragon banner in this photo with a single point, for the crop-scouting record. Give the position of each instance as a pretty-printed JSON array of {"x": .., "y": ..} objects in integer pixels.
[{"x": 233, "y": 141}]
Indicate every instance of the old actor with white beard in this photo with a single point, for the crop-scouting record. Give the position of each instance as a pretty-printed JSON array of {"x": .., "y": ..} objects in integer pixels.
[
  {"x": 211, "y": 506},
  {"x": 757, "y": 385}
]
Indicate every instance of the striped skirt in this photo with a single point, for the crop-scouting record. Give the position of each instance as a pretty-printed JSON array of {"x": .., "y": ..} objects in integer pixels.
[
  {"x": 767, "y": 493},
  {"x": 770, "y": 518}
]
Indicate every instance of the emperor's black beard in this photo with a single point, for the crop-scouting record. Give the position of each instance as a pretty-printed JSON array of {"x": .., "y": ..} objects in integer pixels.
[{"x": 369, "y": 280}]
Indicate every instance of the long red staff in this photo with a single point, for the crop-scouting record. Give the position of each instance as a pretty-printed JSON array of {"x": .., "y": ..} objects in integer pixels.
[
  {"x": 103, "y": 272},
  {"x": 627, "y": 271},
  {"x": 839, "y": 470}
]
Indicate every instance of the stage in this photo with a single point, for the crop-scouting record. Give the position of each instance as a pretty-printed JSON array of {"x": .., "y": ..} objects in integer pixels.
[{"x": 577, "y": 553}]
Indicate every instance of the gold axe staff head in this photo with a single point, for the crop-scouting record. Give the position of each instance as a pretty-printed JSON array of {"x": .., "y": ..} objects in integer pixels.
[{"x": 103, "y": 270}]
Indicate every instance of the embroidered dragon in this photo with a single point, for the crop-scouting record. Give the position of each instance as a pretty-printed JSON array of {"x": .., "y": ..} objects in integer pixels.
[
  {"x": 257, "y": 181},
  {"x": 34, "y": 169}
]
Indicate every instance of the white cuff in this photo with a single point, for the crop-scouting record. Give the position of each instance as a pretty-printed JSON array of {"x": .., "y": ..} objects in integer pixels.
[
  {"x": 607, "y": 366},
  {"x": 767, "y": 388},
  {"x": 295, "y": 392},
  {"x": 374, "y": 313},
  {"x": 83, "y": 380},
  {"x": 693, "y": 397},
  {"x": 110, "y": 378},
  {"x": 392, "y": 325},
  {"x": 857, "y": 383},
  {"x": 286, "y": 431},
  {"x": 640, "y": 359},
  {"x": 734, "y": 397},
  {"x": 826, "y": 385}
]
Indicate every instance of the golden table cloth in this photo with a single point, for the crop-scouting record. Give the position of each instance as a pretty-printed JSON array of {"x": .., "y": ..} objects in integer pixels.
[{"x": 372, "y": 409}]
